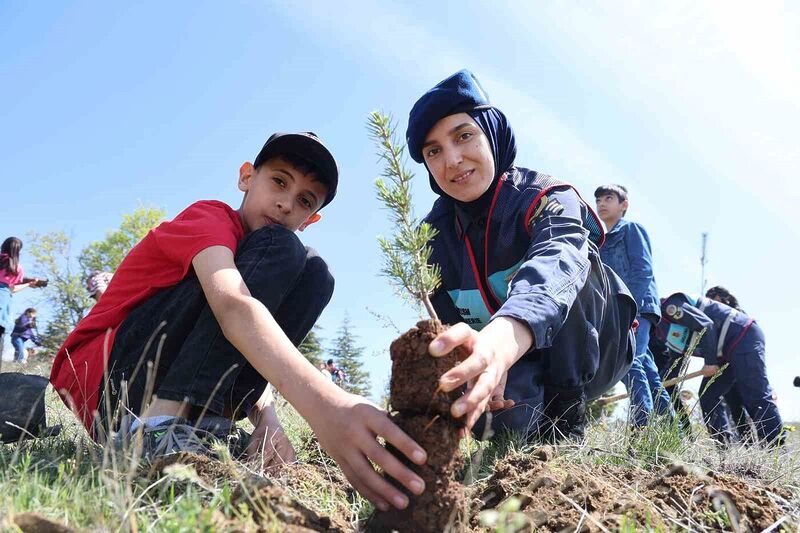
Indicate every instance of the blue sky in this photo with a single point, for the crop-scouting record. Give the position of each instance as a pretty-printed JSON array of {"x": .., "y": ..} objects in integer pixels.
[{"x": 692, "y": 105}]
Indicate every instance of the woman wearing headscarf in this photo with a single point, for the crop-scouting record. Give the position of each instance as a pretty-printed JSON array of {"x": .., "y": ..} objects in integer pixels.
[{"x": 547, "y": 326}]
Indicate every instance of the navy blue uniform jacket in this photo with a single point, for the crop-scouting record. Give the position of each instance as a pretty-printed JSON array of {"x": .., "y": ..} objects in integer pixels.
[{"x": 527, "y": 260}]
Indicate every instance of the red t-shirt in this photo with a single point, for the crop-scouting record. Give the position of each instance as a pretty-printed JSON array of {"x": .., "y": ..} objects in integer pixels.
[{"x": 162, "y": 259}]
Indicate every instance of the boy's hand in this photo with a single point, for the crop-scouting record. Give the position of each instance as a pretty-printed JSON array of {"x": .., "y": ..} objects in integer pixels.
[
  {"x": 349, "y": 431},
  {"x": 270, "y": 441},
  {"x": 491, "y": 351}
]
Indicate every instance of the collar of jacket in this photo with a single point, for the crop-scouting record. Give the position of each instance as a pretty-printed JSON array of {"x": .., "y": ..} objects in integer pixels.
[
  {"x": 464, "y": 218},
  {"x": 614, "y": 235}
]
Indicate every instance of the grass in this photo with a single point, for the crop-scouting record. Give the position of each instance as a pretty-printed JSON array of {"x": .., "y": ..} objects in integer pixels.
[{"x": 69, "y": 480}]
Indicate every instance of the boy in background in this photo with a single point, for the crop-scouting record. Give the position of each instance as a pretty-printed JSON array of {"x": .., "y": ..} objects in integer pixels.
[{"x": 627, "y": 251}]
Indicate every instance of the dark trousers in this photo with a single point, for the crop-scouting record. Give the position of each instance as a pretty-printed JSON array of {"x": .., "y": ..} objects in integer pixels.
[
  {"x": 739, "y": 415},
  {"x": 748, "y": 373},
  {"x": 176, "y": 332}
]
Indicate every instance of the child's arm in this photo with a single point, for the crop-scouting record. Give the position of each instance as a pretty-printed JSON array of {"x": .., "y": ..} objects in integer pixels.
[
  {"x": 346, "y": 425},
  {"x": 27, "y": 282}
]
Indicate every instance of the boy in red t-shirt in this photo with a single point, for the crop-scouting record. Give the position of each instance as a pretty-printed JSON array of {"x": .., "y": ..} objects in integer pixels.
[{"x": 207, "y": 309}]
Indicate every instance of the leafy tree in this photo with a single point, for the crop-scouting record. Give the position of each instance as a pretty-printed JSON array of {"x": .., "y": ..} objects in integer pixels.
[
  {"x": 107, "y": 254},
  {"x": 66, "y": 291},
  {"x": 311, "y": 347},
  {"x": 407, "y": 253},
  {"x": 347, "y": 356}
]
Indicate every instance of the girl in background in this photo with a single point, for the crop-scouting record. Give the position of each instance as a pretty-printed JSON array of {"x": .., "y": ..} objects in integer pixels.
[{"x": 12, "y": 280}]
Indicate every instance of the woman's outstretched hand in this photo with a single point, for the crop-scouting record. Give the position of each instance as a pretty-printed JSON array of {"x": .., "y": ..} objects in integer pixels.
[{"x": 490, "y": 353}]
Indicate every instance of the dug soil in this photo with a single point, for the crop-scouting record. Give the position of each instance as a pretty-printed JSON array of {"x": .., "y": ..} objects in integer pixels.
[
  {"x": 534, "y": 490},
  {"x": 531, "y": 494}
]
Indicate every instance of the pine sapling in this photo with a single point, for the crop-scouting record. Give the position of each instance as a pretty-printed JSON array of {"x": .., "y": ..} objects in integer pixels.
[
  {"x": 407, "y": 253},
  {"x": 422, "y": 409}
]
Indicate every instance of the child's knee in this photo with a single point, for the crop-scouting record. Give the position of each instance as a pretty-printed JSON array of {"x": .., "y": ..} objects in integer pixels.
[
  {"x": 318, "y": 273},
  {"x": 281, "y": 244}
]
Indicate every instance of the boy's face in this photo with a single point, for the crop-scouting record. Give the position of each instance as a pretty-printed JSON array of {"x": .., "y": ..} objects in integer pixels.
[
  {"x": 609, "y": 208},
  {"x": 278, "y": 193},
  {"x": 458, "y": 156}
]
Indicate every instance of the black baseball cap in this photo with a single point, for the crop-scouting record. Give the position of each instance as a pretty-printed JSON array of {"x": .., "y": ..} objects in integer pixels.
[{"x": 307, "y": 145}]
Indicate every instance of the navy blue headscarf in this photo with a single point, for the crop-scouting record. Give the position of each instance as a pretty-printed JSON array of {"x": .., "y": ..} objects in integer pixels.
[{"x": 461, "y": 93}]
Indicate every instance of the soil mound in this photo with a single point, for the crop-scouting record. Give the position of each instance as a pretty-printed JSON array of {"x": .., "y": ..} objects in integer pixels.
[{"x": 529, "y": 494}]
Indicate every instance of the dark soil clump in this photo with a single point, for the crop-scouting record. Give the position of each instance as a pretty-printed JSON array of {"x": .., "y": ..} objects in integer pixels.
[
  {"x": 208, "y": 469},
  {"x": 414, "y": 386},
  {"x": 36, "y": 523},
  {"x": 424, "y": 414}
]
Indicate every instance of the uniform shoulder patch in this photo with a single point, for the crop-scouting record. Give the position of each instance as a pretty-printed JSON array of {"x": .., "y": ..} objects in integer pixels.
[{"x": 545, "y": 206}]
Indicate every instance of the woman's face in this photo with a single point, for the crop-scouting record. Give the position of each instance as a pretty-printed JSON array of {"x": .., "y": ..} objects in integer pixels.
[{"x": 458, "y": 155}]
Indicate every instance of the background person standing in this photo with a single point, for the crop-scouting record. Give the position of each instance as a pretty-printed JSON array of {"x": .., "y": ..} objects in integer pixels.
[
  {"x": 627, "y": 251},
  {"x": 24, "y": 330}
]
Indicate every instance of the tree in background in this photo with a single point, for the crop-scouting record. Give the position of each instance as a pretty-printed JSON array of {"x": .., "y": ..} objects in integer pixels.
[
  {"x": 347, "y": 356},
  {"x": 106, "y": 255},
  {"x": 311, "y": 347},
  {"x": 66, "y": 293}
]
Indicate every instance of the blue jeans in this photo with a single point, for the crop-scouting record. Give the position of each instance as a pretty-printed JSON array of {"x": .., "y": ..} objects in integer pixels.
[
  {"x": 19, "y": 348},
  {"x": 643, "y": 381}
]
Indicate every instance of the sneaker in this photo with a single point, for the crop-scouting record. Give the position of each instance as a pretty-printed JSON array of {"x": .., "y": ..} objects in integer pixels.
[
  {"x": 167, "y": 438},
  {"x": 226, "y": 431}
]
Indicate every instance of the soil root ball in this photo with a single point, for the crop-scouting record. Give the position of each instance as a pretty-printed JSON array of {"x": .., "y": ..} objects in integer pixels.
[
  {"x": 423, "y": 413},
  {"x": 414, "y": 386}
]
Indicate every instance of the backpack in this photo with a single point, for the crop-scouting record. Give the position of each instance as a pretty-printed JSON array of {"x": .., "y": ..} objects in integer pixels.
[{"x": 22, "y": 413}]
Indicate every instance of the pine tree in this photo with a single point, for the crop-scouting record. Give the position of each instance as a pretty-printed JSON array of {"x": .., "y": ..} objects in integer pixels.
[
  {"x": 347, "y": 356},
  {"x": 311, "y": 347}
]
